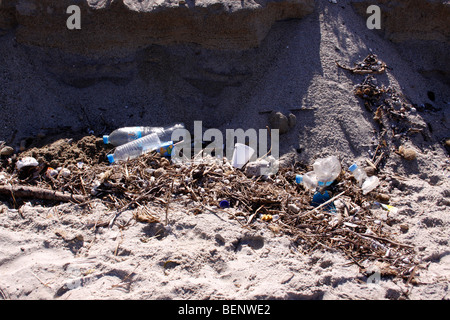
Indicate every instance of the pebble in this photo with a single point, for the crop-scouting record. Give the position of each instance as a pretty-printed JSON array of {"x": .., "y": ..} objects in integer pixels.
[
  {"x": 279, "y": 121},
  {"x": 159, "y": 172},
  {"x": 407, "y": 153},
  {"x": 65, "y": 172},
  {"x": 383, "y": 197},
  {"x": 6, "y": 151},
  {"x": 292, "y": 120},
  {"x": 292, "y": 207}
]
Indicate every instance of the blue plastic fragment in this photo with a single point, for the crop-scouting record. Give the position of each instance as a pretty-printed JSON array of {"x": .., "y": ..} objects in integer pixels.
[
  {"x": 224, "y": 204},
  {"x": 320, "y": 198}
]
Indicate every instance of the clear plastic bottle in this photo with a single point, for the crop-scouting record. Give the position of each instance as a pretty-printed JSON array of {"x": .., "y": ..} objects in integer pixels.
[
  {"x": 309, "y": 180},
  {"x": 359, "y": 173},
  {"x": 326, "y": 170},
  {"x": 123, "y": 135},
  {"x": 134, "y": 149}
]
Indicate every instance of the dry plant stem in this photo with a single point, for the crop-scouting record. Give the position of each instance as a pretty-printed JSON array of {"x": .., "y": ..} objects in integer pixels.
[
  {"x": 40, "y": 193},
  {"x": 167, "y": 203},
  {"x": 384, "y": 239},
  {"x": 42, "y": 282}
]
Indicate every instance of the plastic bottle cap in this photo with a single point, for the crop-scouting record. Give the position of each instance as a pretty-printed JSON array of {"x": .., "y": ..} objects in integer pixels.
[
  {"x": 106, "y": 139},
  {"x": 353, "y": 167},
  {"x": 299, "y": 178},
  {"x": 110, "y": 158},
  {"x": 224, "y": 204}
]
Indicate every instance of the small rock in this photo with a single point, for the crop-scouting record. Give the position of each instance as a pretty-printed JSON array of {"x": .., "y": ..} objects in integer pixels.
[
  {"x": 407, "y": 153},
  {"x": 292, "y": 120},
  {"x": 6, "y": 151},
  {"x": 383, "y": 197},
  {"x": 279, "y": 121},
  {"x": 292, "y": 207},
  {"x": 447, "y": 142},
  {"x": 404, "y": 228},
  {"x": 65, "y": 173},
  {"x": 159, "y": 172}
]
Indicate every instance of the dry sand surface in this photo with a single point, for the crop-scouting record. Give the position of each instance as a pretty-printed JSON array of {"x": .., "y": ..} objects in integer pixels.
[{"x": 58, "y": 252}]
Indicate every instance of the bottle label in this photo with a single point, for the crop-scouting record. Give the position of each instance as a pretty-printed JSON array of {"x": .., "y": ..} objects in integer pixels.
[{"x": 134, "y": 135}]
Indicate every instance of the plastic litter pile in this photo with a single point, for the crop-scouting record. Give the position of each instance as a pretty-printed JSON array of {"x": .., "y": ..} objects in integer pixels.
[{"x": 319, "y": 206}]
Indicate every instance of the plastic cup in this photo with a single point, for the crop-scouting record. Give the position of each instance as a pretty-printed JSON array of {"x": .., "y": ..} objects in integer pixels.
[{"x": 241, "y": 155}]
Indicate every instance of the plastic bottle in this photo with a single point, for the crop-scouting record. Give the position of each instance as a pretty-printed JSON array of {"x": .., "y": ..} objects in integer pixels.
[
  {"x": 309, "y": 180},
  {"x": 359, "y": 173},
  {"x": 135, "y": 148},
  {"x": 369, "y": 184},
  {"x": 123, "y": 135},
  {"x": 326, "y": 170}
]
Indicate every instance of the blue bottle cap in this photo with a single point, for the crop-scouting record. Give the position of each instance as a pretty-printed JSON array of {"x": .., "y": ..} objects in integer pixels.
[
  {"x": 353, "y": 167},
  {"x": 224, "y": 204},
  {"x": 110, "y": 158},
  {"x": 299, "y": 178},
  {"x": 106, "y": 139}
]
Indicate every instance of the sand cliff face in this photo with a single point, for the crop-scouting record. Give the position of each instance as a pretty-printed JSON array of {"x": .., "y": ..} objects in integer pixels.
[
  {"x": 121, "y": 39},
  {"x": 131, "y": 24},
  {"x": 417, "y": 26},
  {"x": 210, "y": 60},
  {"x": 112, "y": 31}
]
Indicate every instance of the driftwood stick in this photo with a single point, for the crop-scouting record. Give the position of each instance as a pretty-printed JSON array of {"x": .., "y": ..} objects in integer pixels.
[{"x": 40, "y": 193}]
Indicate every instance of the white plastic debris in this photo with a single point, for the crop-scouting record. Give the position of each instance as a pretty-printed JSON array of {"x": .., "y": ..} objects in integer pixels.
[
  {"x": 27, "y": 162},
  {"x": 50, "y": 173},
  {"x": 65, "y": 172},
  {"x": 262, "y": 167}
]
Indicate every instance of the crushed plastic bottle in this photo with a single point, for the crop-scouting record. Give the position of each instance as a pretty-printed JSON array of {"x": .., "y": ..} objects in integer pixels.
[
  {"x": 359, "y": 173},
  {"x": 309, "y": 180},
  {"x": 326, "y": 170},
  {"x": 124, "y": 135},
  {"x": 135, "y": 148},
  {"x": 369, "y": 184},
  {"x": 366, "y": 183}
]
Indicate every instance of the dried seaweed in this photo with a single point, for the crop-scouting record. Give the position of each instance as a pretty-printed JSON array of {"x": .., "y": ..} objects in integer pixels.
[{"x": 152, "y": 179}]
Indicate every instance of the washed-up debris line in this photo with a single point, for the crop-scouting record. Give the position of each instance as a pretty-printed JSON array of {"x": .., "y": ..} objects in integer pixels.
[
  {"x": 370, "y": 65},
  {"x": 275, "y": 202},
  {"x": 389, "y": 108}
]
